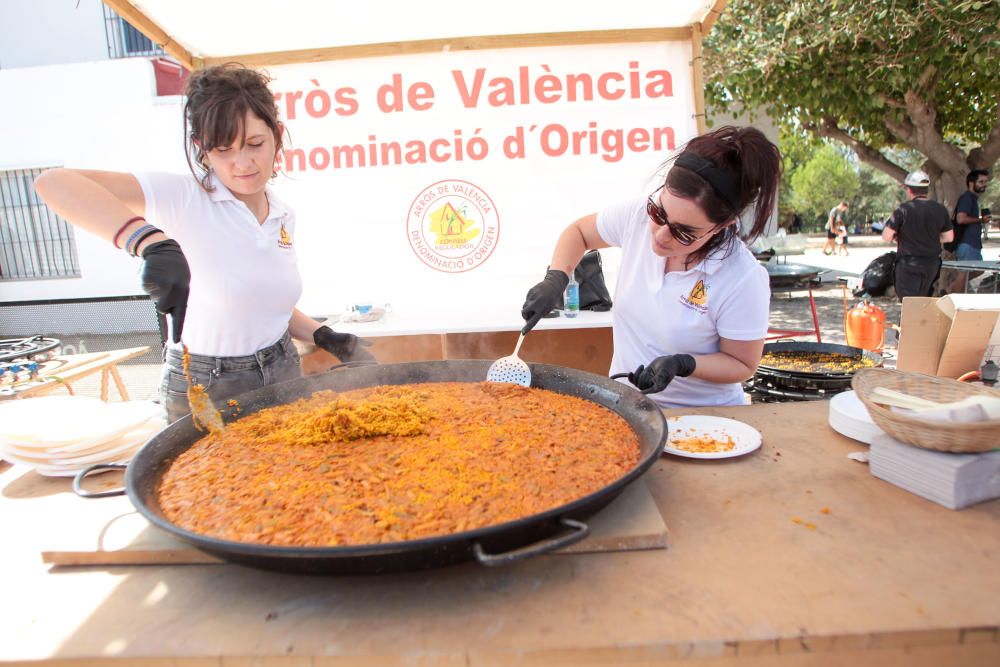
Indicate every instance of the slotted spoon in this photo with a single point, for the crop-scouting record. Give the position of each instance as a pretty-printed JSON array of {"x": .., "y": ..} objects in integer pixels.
[{"x": 510, "y": 369}]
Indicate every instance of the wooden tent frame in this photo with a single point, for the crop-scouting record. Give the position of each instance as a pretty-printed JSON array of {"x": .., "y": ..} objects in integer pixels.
[{"x": 694, "y": 32}]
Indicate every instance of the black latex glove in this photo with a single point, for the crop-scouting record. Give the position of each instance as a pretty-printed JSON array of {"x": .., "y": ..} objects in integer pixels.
[
  {"x": 344, "y": 346},
  {"x": 543, "y": 297},
  {"x": 167, "y": 278},
  {"x": 655, "y": 377}
]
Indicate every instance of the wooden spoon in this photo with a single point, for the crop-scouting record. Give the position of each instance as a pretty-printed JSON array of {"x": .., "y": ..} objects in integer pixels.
[{"x": 203, "y": 412}]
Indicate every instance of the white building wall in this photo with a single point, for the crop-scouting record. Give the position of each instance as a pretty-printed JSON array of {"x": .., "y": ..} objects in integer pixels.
[
  {"x": 51, "y": 32},
  {"x": 98, "y": 115}
]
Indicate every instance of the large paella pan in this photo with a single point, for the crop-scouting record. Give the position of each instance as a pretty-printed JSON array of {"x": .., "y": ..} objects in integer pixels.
[{"x": 490, "y": 545}]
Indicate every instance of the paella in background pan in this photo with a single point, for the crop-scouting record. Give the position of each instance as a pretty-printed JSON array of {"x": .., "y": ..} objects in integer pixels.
[
  {"x": 815, "y": 362},
  {"x": 819, "y": 359}
]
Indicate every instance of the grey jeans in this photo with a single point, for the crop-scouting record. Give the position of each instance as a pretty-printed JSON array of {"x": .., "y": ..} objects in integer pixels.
[{"x": 225, "y": 377}]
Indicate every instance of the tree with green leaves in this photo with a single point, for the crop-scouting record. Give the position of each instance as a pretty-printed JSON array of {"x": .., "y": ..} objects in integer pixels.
[
  {"x": 877, "y": 196},
  {"x": 797, "y": 148},
  {"x": 872, "y": 75},
  {"x": 819, "y": 184}
]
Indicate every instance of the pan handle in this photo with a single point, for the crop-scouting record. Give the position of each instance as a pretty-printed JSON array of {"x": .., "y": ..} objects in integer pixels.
[
  {"x": 351, "y": 364},
  {"x": 99, "y": 467},
  {"x": 580, "y": 531}
]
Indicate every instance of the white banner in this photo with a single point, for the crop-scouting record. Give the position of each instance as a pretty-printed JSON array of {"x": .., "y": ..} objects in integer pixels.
[{"x": 441, "y": 181}]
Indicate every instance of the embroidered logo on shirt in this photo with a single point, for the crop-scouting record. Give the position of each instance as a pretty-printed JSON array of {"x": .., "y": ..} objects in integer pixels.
[
  {"x": 284, "y": 238},
  {"x": 697, "y": 298}
]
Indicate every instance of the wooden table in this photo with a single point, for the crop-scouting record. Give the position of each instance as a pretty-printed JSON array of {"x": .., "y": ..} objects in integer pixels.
[
  {"x": 883, "y": 577},
  {"x": 62, "y": 371}
]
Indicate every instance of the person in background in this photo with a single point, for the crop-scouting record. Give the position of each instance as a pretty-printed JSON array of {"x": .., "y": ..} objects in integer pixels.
[
  {"x": 918, "y": 227},
  {"x": 691, "y": 302},
  {"x": 796, "y": 226},
  {"x": 841, "y": 240},
  {"x": 218, "y": 248},
  {"x": 969, "y": 225},
  {"x": 834, "y": 221},
  {"x": 968, "y": 221}
]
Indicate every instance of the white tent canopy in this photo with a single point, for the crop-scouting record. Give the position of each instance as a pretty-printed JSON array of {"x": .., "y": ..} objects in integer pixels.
[{"x": 199, "y": 32}]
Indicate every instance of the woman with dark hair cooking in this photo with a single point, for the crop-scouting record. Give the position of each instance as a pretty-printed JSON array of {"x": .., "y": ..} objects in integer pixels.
[
  {"x": 234, "y": 304},
  {"x": 691, "y": 303}
]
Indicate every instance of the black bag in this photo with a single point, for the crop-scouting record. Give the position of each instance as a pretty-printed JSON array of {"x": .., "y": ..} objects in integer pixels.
[
  {"x": 879, "y": 276},
  {"x": 952, "y": 245},
  {"x": 589, "y": 274}
]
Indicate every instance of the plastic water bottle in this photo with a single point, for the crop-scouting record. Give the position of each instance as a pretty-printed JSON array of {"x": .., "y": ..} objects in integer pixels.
[{"x": 572, "y": 298}]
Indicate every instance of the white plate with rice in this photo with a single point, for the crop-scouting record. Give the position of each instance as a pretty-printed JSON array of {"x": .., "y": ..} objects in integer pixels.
[{"x": 705, "y": 437}]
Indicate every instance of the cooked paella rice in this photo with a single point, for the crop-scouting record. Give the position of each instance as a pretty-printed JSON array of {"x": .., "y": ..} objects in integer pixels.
[
  {"x": 704, "y": 444},
  {"x": 815, "y": 362},
  {"x": 395, "y": 463}
]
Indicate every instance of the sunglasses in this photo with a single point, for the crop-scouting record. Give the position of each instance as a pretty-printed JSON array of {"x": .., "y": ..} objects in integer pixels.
[{"x": 680, "y": 233}]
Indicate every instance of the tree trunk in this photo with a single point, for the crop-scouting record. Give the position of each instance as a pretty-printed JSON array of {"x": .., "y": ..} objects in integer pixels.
[{"x": 948, "y": 188}]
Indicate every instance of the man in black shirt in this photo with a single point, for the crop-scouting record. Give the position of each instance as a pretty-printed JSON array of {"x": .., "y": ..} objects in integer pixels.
[{"x": 919, "y": 227}]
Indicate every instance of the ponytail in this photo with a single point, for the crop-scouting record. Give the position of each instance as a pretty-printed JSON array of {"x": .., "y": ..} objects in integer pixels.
[{"x": 743, "y": 168}]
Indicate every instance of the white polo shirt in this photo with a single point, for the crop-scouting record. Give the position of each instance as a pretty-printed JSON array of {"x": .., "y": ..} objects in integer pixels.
[
  {"x": 244, "y": 278},
  {"x": 657, "y": 313}
]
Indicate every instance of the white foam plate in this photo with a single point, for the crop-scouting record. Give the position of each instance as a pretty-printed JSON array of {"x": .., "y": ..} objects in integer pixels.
[
  {"x": 67, "y": 468},
  {"x": 849, "y": 417},
  {"x": 71, "y": 471},
  {"x": 125, "y": 444},
  {"x": 53, "y": 454},
  {"x": 746, "y": 438},
  {"x": 24, "y": 419},
  {"x": 120, "y": 444},
  {"x": 69, "y": 426},
  {"x": 121, "y": 419}
]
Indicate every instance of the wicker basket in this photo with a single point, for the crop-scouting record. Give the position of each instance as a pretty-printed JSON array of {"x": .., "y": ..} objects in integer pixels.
[{"x": 943, "y": 436}]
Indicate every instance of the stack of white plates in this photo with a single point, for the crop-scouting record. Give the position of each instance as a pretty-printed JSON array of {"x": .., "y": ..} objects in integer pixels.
[
  {"x": 952, "y": 480},
  {"x": 61, "y": 435},
  {"x": 849, "y": 416}
]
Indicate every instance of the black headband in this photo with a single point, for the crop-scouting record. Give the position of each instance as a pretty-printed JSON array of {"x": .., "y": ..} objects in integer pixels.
[{"x": 724, "y": 182}]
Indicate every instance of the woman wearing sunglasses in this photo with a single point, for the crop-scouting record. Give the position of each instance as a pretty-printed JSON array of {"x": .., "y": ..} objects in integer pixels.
[{"x": 691, "y": 301}]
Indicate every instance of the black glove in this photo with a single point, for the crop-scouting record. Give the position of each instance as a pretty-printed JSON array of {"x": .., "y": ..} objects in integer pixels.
[
  {"x": 344, "y": 346},
  {"x": 655, "y": 377},
  {"x": 167, "y": 278},
  {"x": 543, "y": 297}
]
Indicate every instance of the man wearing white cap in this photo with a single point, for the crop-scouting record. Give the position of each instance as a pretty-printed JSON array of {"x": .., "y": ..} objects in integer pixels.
[{"x": 919, "y": 227}]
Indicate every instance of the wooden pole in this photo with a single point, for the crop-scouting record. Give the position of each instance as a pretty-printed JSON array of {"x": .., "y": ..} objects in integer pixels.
[
  {"x": 453, "y": 44},
  {"x": 148, "y": 27},
  {"x": 698, "y": 78},
  {"x": 712, "y": 15}
]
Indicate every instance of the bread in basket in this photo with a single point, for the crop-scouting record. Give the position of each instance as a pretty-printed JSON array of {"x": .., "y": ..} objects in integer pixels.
[{"x": 943, "y": 436}]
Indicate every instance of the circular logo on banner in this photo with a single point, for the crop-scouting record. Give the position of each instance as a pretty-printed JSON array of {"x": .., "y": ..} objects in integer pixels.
[{"x": 453, "y": 226}]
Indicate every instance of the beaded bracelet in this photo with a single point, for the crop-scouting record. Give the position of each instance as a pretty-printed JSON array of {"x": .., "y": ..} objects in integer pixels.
[
  {"x": 122, "y": 229},
  {"x": 135, "y": 246},
  {"x": 129, "y": 247}
]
